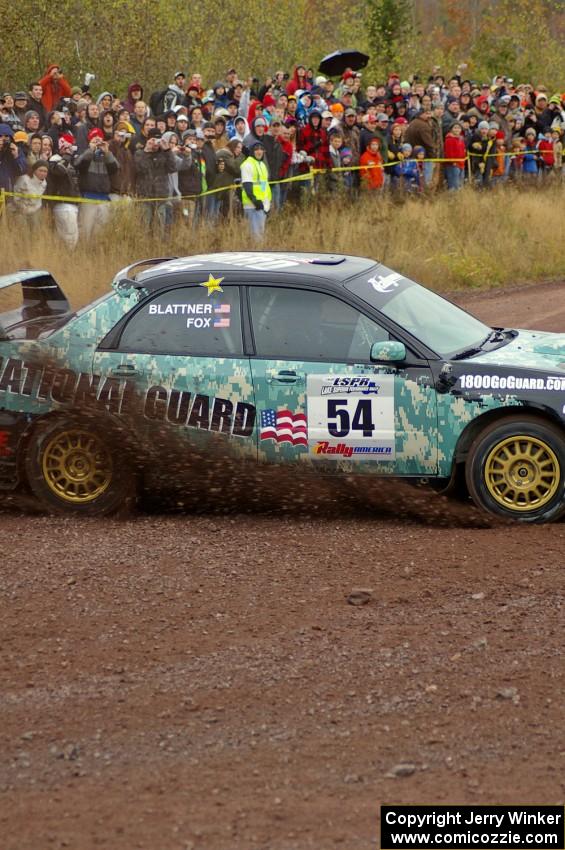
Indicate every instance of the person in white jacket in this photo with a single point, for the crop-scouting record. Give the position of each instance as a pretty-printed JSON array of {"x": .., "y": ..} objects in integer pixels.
[{"x": 33, "y": 184}]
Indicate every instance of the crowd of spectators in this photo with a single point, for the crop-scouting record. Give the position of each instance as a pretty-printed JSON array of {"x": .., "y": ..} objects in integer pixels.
[{"x": 248, "y": 148}]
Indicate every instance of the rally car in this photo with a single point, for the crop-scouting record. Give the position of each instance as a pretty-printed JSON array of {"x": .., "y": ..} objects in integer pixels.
[{"x": 334, "y": 364}]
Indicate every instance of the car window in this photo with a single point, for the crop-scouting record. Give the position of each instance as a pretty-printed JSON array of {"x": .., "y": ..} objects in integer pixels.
[
  {"x": 436, "y": 322},
  {"x": 187, "y": 321},
  {"x": 298, "y": 324}
]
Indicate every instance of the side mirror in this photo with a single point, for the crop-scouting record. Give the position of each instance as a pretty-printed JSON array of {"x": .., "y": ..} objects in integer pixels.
[{"x": 388, "y": 352}]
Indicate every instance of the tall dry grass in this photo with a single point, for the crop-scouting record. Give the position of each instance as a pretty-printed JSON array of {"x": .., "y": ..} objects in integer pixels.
[{"x": 449, "y": 242}]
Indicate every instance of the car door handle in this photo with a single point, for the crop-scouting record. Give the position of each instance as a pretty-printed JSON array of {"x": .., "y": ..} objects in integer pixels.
[
  {"x": 125, "y": 370},
  {"x": 285, "y": 376}
]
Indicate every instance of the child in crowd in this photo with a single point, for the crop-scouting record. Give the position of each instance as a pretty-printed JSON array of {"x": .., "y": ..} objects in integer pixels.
[
  {"x": 545, "y": 147},
  {"x": 412, "y": 179},
  {"x": 530, "y": 165},
  {"x": 499, "y": 168},
  {"x": 516, "y": 160},
  {"x": 557, "y": 152},
  {"x": 372, "y": 174}
]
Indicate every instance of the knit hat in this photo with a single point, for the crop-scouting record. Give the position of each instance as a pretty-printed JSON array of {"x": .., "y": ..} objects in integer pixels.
[
  {"x": 6, "y": 130},
  {"x": 483, "y": 125},
  {"x": 68, "y": 138},
  {"x": 95, "y": 133}
]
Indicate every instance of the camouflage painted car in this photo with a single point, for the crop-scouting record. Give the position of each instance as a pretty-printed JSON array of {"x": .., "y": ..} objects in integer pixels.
[{"x": 334, "y": 364}]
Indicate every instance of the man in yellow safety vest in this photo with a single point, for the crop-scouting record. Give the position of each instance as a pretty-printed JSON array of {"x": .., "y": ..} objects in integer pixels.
[{"x": 256, "y": 192}]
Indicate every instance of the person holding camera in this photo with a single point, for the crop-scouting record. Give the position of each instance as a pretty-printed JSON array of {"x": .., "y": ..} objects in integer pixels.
[
  {"x": 95, "y": 167},
  {"x": 122, "y": 181},
  {"x": 54, "y": 87},
  {"x": 62, "y": 182},
  {"x": 13, "y": 163},
  {"x": 153, "y": 164}
]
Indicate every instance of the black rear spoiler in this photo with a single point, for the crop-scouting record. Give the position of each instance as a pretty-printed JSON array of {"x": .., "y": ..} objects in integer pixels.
[{"x": 42, "y": 298}]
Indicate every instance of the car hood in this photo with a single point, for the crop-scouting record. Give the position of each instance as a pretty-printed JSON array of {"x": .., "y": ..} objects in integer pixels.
[{"x": 529, "y": 350}]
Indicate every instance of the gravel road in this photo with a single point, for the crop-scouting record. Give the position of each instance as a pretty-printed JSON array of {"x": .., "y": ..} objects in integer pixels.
[{"x": 265, "y": 681}]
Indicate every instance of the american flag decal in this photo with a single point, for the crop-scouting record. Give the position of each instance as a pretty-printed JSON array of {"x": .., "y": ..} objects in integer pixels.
[
  {"x": 222, "y": 316},
  {"x": 283, "y": 426}
]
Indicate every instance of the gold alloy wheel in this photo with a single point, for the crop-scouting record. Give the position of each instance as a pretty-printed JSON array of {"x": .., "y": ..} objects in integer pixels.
[
  {"x": 522, "y": 473},
  {"x": 77, "y": 466}
]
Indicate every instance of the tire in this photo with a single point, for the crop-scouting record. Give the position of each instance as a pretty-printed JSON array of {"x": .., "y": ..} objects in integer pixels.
[
  {"x": 516, "y": 469},
  {"x": 73, "y": 468}
]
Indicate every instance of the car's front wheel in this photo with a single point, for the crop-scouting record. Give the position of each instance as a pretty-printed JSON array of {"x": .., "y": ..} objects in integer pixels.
[
  {"x": 516, "y": 468},
  {"x": 73, "y": 468}
]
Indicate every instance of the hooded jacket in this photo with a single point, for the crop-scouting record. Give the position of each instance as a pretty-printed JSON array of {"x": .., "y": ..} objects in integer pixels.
[
  {"x": 101, "y": 95},
  {"x": 53, "y": 90},
  {"x": 293, "y": 85},
  {"x": 267, "y": 141},
  {"x": 232, "y": 126},
  {"x": 129, "y": 102}
]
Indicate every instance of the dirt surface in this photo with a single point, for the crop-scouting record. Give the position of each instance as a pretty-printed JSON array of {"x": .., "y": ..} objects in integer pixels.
[{"x": 170, "y": 682}]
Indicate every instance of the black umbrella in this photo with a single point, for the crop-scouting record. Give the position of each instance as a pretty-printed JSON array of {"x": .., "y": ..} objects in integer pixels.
[{"x": 335, "y": 63}]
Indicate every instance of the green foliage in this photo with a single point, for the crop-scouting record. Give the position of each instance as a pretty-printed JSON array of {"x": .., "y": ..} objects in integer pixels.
[
  {"x": 122, "y": 40},
  {"x": 389, "y": 22}
]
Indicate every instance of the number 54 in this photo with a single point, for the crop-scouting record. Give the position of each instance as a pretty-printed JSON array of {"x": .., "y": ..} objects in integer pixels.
[{"x": 341, "y": 425}]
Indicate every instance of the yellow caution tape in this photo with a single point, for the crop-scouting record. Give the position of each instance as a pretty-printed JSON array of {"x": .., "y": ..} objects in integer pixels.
[{"x": 309, "y": 175}]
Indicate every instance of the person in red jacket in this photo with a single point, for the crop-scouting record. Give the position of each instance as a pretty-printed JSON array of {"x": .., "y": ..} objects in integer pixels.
[
  {"x": 545, "y": 147},
  {"x": 372, "y": 174},
  {"x": 299, "y": 81},
  {"x": 285, "y": 169},
  {"x": 454, "y": 150},
  {"x": 54, "y": 87},
  {"x": 314, "y": 140}
]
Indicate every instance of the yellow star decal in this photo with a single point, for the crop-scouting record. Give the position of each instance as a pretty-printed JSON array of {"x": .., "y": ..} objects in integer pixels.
[{"x": 213, "y": 284}]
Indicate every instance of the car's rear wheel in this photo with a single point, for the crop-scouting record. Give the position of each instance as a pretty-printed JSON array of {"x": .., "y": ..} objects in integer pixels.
[
  {"x": 73, "y": 468},
  {"x": 516, "y": 468}
]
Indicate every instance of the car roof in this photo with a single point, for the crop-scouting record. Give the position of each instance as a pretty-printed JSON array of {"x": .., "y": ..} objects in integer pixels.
[{"x": 332, "y": 267}]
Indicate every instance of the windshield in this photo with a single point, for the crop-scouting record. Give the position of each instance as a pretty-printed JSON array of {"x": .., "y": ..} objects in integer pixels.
[{"x": 437, "y": 323}]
